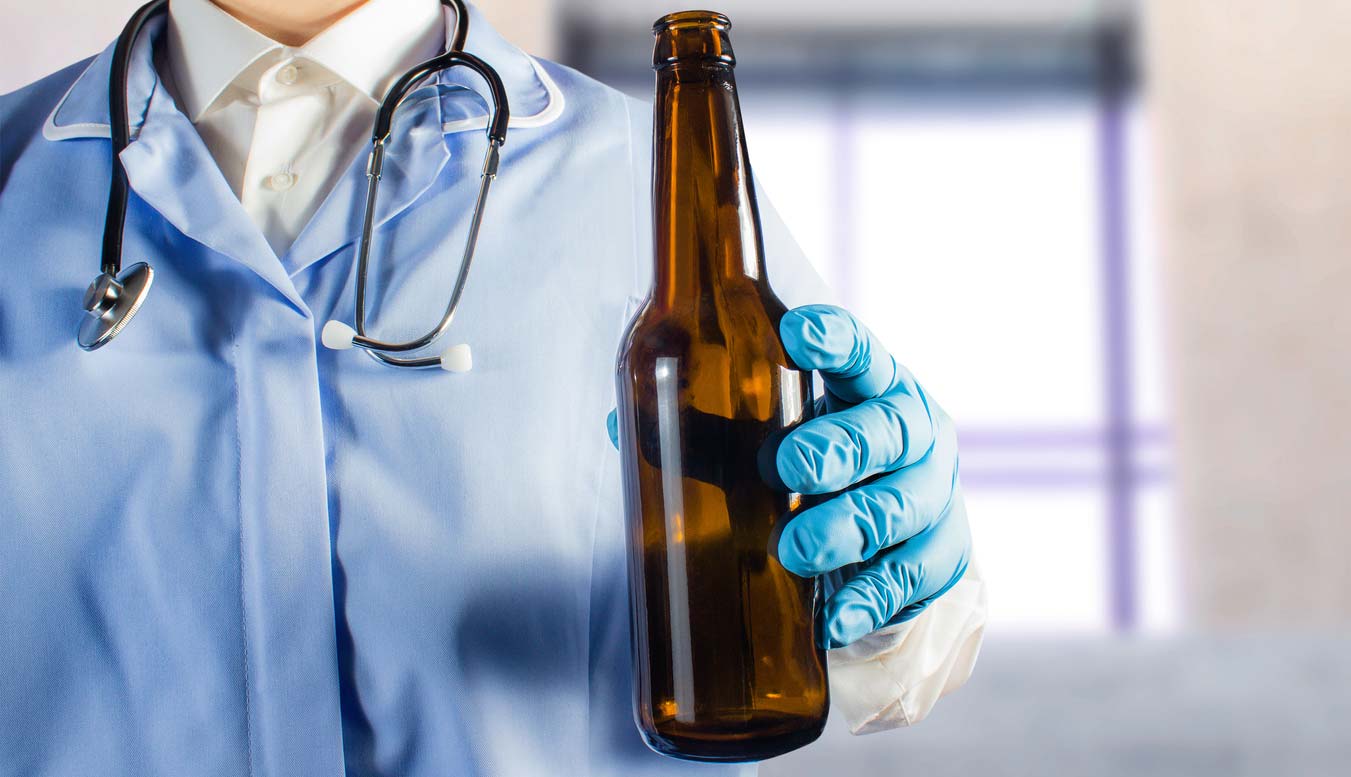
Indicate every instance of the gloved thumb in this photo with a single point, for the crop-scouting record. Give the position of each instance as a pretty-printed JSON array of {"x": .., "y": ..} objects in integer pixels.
[{"x": 612, "y": 426}]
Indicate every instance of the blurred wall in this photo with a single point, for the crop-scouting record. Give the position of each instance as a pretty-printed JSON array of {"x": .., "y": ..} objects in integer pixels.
[
  {"x": 1253, "y": 115},
  {"x": 41, "y": 38},
  {"x": 851, "y": 14}
]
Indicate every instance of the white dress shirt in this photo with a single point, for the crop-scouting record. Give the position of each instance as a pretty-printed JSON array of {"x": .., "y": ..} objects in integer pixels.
[{"x": 283, "y": 123}]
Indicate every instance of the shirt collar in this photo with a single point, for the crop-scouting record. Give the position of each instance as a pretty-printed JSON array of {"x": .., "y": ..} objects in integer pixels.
[
  {"x": 368, "y": 48},
  {"x": 534, "y": 98}
]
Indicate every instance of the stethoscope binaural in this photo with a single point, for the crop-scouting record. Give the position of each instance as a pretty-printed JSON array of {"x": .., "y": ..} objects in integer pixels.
[{"x": 116, "y": 294}]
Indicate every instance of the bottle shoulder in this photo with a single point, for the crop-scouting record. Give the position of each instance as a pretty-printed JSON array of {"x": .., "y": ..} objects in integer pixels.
[
  {"x": 749, "y": 301},
  {"x": 738, "y": 326}
]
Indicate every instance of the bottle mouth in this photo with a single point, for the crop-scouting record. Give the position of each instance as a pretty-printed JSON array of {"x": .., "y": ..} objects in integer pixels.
[
  {"x": 681, "y": 20},
  {"x": 691, "y": 37}
]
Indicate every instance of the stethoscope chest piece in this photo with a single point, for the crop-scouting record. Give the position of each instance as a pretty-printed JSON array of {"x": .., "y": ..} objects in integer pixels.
[{"x": 110, "y": 302}]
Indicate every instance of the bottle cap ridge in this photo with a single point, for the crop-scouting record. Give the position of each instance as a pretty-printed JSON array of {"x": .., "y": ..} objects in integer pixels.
[
  {"x": 692, "y": 36},
  {"x": 692, "y": 19}
]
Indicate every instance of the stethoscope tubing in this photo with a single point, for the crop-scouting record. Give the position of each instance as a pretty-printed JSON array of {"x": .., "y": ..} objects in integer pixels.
[
  {"x": 119, "y": 131},
  {"x": 115, "y": 296},
  {"x": 496, "y": 131}
]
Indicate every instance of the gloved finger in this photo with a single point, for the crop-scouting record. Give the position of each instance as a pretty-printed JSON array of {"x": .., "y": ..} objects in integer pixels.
[
  {"x": 836, "y": 450},
  {"x": 863, "y": 521},
  {"x": 612, "y": 426},
  {"x": 851, "y": 360},
  {"x": 899, "y": 583}
]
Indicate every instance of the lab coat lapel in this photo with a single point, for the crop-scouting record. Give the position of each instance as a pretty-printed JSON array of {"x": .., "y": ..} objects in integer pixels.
[
  {"x": 167, "y": 164},
  {"x": 170, "y": 168}
]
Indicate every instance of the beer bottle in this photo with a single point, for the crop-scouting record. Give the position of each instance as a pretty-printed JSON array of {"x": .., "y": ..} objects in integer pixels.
[{"x": 726, "y": 667}]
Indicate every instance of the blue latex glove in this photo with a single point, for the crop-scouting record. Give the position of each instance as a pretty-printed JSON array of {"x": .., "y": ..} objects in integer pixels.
[
  {"x": 895, "y": 537},
  {"x": 891, "y": 452}
]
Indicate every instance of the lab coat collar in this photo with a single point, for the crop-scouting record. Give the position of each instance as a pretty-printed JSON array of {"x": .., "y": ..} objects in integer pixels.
[
  {"x": 83, "y": 111},
  {"x": 456, "y": 103},
  {"x": 534, "y": 98}
]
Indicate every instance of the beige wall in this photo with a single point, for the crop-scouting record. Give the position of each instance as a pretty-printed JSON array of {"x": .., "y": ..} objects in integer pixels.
[
  {"x": 38, "y": 38},
  {"x": 1252, "y": 100}
]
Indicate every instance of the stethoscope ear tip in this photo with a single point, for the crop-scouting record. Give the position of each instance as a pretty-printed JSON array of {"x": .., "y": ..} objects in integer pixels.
[
  {"x": 457, "y": 358},
  {"x": 337, "y": 336}
]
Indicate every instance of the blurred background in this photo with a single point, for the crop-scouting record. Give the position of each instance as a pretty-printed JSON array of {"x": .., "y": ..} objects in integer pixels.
[{"x": 1113, "y": 238}]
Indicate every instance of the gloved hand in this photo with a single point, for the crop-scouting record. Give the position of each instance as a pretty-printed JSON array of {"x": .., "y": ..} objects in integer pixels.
[
  {"x": 898, "y": 526},
  {"x": 891, "y": 452}
]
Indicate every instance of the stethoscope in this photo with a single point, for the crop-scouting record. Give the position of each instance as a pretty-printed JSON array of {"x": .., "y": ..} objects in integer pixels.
[{"x": 116, "y": 294}]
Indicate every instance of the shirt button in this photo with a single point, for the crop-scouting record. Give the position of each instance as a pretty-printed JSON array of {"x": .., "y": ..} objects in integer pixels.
[
  {"x": 280, "y": 182},
  {"x": 288, "y": 75}
]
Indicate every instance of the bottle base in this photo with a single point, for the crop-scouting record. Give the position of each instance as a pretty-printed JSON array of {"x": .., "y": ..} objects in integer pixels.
[{"x": 765, "y": 737}]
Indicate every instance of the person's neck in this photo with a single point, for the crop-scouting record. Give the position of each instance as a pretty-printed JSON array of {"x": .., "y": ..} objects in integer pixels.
[{"x": 290, "y": 23}]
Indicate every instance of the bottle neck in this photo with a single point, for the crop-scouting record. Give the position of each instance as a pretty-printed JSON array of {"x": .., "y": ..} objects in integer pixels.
[{"x": 705, "y": 219}]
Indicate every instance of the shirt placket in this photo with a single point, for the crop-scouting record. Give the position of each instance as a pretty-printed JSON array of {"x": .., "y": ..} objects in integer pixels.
[
  {"x": 285, "y": 547},
  {"x": 291, "y": 117},
  {"x": 289, "y": 675}
]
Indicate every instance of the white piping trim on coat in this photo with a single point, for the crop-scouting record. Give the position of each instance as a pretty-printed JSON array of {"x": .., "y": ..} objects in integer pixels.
[
  {"x": 88, "y": 129},
  {"x": 550, "y": 113},
  {"x": 547, "y": 115}
]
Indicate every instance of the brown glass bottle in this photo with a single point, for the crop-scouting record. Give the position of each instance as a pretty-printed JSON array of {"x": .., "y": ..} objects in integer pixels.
[{"x": 725, "y": 664}]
